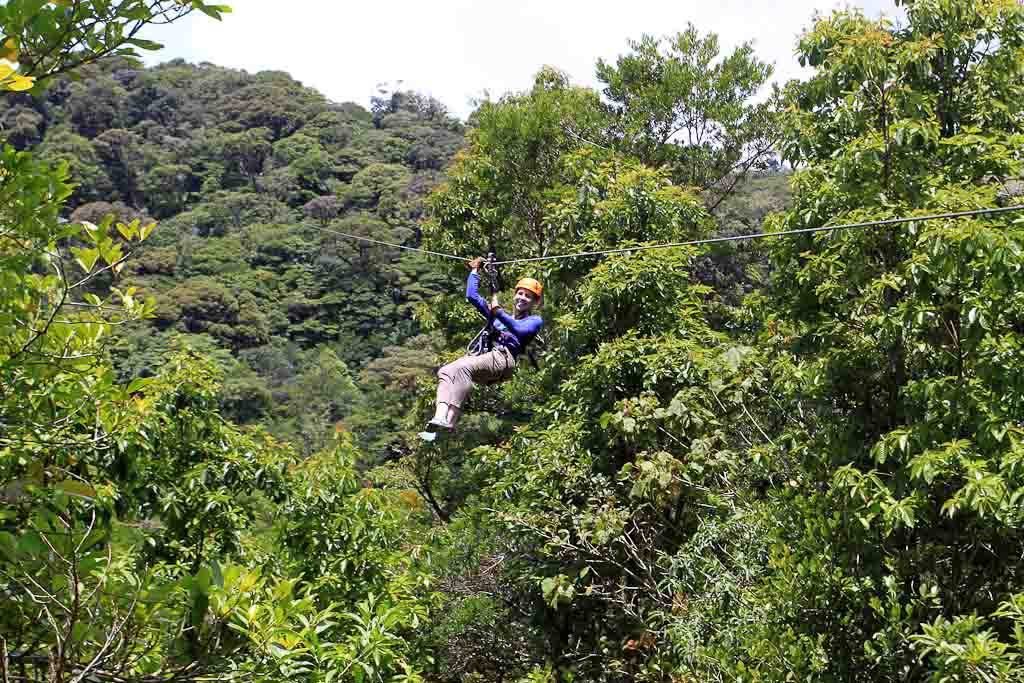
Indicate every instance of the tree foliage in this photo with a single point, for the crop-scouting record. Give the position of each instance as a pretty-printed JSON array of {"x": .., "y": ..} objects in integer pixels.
[
  {"x": 822, "y": 483},
  {"x": 677, "y": 103},
  {"x": 798, "y": 459},
  {"x": 137, "y": 530}
]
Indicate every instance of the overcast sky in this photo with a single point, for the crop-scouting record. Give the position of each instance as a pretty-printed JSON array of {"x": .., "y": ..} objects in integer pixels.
[{"x": 456, "y": 50}]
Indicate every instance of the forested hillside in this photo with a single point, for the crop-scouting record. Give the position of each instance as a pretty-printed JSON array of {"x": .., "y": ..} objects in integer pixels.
[
  {"x": 246, "y": 175},
  {"x": 795, "y": 458}
]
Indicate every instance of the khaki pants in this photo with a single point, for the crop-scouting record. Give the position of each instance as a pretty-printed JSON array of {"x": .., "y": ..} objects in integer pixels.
[{"x": 457, "y": 378}]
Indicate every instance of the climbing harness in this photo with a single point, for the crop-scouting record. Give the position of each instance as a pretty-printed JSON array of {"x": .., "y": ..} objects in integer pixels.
[{"x": 483, "y": 342}]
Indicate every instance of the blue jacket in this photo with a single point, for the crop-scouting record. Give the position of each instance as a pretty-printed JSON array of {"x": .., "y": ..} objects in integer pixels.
[{"x": 513, "y": 334}]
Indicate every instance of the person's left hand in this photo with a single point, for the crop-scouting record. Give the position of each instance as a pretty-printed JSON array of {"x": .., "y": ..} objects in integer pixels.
[{"x": 494, "y": 303}]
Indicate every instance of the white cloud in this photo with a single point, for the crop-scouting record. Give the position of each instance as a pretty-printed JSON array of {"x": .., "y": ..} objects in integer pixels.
[{"x": 457, "y": 49}]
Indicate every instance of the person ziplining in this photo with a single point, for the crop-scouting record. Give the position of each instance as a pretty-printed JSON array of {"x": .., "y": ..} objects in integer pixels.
[
  {"x": 499, "y": 345},
  {"x": 492, "y": 363}
]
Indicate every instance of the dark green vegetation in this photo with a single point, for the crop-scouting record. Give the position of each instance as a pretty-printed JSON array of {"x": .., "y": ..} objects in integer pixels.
[
  {"x": 246, "y": 175},
  {"x": 796, "y": 459}
]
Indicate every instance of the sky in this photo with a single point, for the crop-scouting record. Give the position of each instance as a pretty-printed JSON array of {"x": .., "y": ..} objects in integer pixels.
[{"x": 459, "y": 51}]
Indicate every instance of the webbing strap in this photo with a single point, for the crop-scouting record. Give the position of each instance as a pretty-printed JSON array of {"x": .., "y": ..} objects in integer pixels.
[{"x": 484, "y": 341}]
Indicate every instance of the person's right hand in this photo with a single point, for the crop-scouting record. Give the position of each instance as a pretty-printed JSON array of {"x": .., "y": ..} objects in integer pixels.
[{"x": 475, "y": 263}]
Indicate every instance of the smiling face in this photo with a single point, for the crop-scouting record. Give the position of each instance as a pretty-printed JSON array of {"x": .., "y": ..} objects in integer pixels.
[{"x": 524, "y": 302}]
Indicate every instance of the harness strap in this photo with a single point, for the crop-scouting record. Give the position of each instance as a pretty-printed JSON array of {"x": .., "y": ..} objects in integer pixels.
[
  {"x": 492, "y": 277},
  {"x": 484, "y": 341}
]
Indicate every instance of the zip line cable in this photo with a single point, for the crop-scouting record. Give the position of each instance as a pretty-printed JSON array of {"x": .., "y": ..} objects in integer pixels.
[
  {"x": 759, "y": 235},
  {"x": 387, "y": 244},
  {"x": 690, "y": 243}
]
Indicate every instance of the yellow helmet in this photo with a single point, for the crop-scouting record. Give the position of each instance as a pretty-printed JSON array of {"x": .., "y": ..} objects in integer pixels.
[{"x": 530, "y": 285}]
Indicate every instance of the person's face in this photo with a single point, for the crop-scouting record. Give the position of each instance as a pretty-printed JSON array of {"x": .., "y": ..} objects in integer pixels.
[{"x": 524, "y": 300}]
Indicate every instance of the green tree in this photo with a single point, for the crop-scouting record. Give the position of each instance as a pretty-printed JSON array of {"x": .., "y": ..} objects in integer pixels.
[
  {"x": 678, "y": 102},
  {"x": 245, "y": 152},
  {"x": 165, "y": 188},
  {"x": 23, "y": 125},
  {"x": 125, "y": 158},
  {"x": 376, "y": 185},
  {"x": 80, "y": 596},
  {"x": 628, "y": 452},
  {"x": 84, "y": 164},
  {"x": 134, "y": 527},
  {"x": 363, "y": 547},
  {"x": 97, "y": 106},
  {"x": 272, "y": 100},
  {"x": 897, "y": 348},
  {"x": 497, "y": 188}
]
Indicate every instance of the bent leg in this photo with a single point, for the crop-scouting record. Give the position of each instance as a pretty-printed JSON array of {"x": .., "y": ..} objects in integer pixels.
[{"x": 456, "y": 380}]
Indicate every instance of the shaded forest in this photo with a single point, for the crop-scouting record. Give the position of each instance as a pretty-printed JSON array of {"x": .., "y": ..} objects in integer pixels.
[{"x": 785, "y": 459}]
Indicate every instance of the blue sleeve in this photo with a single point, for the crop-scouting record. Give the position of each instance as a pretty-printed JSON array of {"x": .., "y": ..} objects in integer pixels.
[
  {"x": 524, "y": 329},
  {"x": 473, "y": 296}
]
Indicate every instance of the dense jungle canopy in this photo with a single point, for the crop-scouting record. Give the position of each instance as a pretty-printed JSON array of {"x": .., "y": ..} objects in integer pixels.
[{"x": 785, "y": 459}]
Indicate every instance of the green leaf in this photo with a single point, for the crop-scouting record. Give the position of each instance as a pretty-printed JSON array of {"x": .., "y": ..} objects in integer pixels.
[
  {"x": 7, "y": 542},
  {"x": 202, "y": 580},
  {"x": 734, "y": 356},
  {"x": 200, "y": 605},
  {"x": 76, "y": 488},
  {"x": 126, "y": 231},
  {"x": 283, "y": 590},
  {"x": 212, "y": 11},
  {"x": 139, "y": 383},
  {"x": 145, "y": 44},
  {"x": 31, "y": 544},
  {"x": 86, "y": 257},
  {"x": 111, "y": 253}
]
